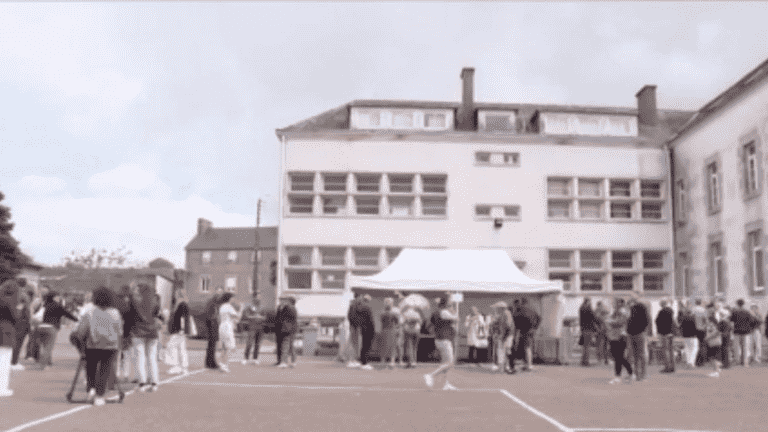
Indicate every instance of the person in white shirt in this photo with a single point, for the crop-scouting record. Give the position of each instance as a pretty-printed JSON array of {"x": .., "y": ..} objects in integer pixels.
[
  {"x": 87, "y": 305},
  {"x": 228, "y": 318}
]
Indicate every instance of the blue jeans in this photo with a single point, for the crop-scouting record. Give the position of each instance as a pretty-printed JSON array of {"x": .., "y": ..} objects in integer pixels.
[{"x": 637, "y": 347}]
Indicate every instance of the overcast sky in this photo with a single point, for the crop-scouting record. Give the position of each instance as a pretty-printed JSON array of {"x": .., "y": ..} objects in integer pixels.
[{"x": 122, "y": 123}]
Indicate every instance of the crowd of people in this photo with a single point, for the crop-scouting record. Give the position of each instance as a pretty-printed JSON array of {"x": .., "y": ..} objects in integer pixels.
[
  {"x": 506, "y": 333},
  {"x": 714, "y": 333}
]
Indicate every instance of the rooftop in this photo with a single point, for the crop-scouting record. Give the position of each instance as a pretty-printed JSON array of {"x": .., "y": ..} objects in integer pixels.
[{"x": 234, "y": 238}]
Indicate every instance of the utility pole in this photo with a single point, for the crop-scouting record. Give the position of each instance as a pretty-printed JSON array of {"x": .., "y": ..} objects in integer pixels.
[{"x": 257, "y": 250}]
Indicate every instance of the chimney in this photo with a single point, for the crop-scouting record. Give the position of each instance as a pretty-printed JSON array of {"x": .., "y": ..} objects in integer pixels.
[
  {"x": 646, "y": 106},
  {"x": 466, "y": 115},
  {"x": 203, "y": 225}
]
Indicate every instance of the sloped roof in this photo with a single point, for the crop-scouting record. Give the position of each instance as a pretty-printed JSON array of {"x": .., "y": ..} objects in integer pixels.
[
  {"x": 234, "y": 239},
  {"x": 745, "y": 84}
]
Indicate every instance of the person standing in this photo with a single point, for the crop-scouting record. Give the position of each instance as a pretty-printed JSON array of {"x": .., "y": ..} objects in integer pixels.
[
  {"x": 286, "y": 326},
  {"x": 510, "y": 344},
  {"x": 23, "y": 326},
  {"x": 49, "y": 328},
  {"x": 526, "y": 323},
  {"x": 9, "y": 299},
  {"x": 254, "y": 320},
  {"x": 616, "y": 332},
  {"x": 212, "y": 328},
  {"x": 412, "y": 321},
  {"x": 228, "y": 318},
  {"x": 477, "y": 335},
  {"x": 588, "y": 324},
  {"x": 367, "y": 331},
  {"x": 688, "y": 331},
  {"x": 33, "y": 347},
  {"x": 443, "y": 322},
  {"x": 756, "y": 342},
  {"x": 665, "y": 328},
  {"x": 744, "y": 324},
  {"x": 637, "y": 326},
  {"x": 179, "y": 326},
  {"x": 353, "y": 318},
  {"x": 700, "y": 318},
  {"x": 400, "y": 343},
  {"x": 601, "y": 314},
  {"x": 127, "y": 357},
  {"x": 100, "y": 332},
  {"x": 726, "y": 331},
  {"x": 390, "y": 322},
  {"x": 145, "y": 320},
  {"x": 497, "y": 332},
  {"x": 714, "y": 339}
]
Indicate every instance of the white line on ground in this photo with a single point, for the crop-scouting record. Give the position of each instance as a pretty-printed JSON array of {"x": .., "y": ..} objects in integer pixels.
[
  {"x": 554, "y": 422},
  {"x": 301, "y": 387},
  {"x": 83, "y": 407},
  {"x": 635, "y": 430}
]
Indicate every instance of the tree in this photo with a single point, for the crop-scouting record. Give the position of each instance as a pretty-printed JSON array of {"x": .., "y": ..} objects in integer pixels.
[
  {"x": 12, "y": 260},
  {"x": 96, "y": 259}
]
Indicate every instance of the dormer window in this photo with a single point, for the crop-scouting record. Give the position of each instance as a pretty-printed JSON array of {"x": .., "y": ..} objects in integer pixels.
[
  {"x": 497, "y": 121},
  {"x": 400, "y": 118},
  {"x": 434, "y": 121}
]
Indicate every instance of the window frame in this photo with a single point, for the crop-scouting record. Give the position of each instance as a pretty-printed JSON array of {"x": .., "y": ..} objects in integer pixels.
[
  {"x": 205, "y": 287},
  {"x": 227, "y": 279},
  {"x": 231, "y": 260},
  {"x": 713, "y": 176},
  {"x": 204, "y": 260}
]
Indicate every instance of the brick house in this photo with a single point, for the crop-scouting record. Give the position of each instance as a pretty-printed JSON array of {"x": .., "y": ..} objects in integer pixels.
[{"x": 226, "y": 257}]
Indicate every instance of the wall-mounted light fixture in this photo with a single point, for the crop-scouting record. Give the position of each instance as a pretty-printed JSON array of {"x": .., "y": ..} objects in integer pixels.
[{"x": 498, "y": 223}]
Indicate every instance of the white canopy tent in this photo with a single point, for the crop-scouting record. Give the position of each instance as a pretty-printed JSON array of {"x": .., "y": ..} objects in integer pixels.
[
  {"x": 324, "y": 306},
  {"x": 490, "y": 271}
]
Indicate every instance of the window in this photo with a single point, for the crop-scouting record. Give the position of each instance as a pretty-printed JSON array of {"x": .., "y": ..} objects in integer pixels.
[
  {"x": 299, "y": 256},
  {"x": 335, "y": 205},
  {"x": 334, "y": 182},
  {"x": 653, "y": 260},
  {"x": 511, "y": 211},
  {"x": 205, "y": 283},
  {"x": 368, "y": 182},
  {"x": 590, "y": 188},
  {"x": 653, "y": 282},
  {"x": 559, "y": 209},
  {"x": 495, "y": 123},
  {"x": 512, "y": 159},
  {"x": 253, "y": 256},
  {"x": 591, "y": 209},
  {"x": 650, "y": 189},
  {"x": 621, "y": 210},
  {"x": 301, "y": 279},
  {"x": 333, "y": 256},
  {"x": 592, "y": 281},
  {"x": 565, "y": 277},
  {"x": 230, "y": 284},
  {"x": 302, "y": 182},
  {"x": 301, "y": 203},
  {"x": 434, "y": 183},
  {"x": 205, "y": 257},
  {"x": 434, "y": 120},
  {"x": 750, "y": 169},
  {"x": 718, "y": 267},
  {"x": 433, "y": 206},
  {"x": 366, "y": 257},
  {"x": 682, "y": 208},
  {"x": 560, "y": 259},
  {"x": 623, "y": 282},
  {"x": 651, "y": 210},
  {"x": 756, "y": 260},
  {"x": 332, "y": 279},
  {"x": 482, "y": 157},
  {"x": 400, "y": 206},
  {"x": 621, "y": 188},
  {"x": 483, "y": 210},
  {"x": 392, "y": 253},
  {"x": 713, "y": 187},
  {"x": 401, "y": 183},
  {"x": 592, "y": 259},
  {"x": 558, "y": 187},
  {"x": 621, "y": 260},
  {"x": 367, "y": 205},
  {"x": 232, "y": 256},
  {"x": 402, "y": 119}
]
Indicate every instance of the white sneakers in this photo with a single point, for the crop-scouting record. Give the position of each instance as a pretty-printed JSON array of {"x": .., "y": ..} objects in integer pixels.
[
  {"x": 282, "y": 365},
  {"x": 366, "y": 367},
  {"x": 224, "y": 368},
  {"x": 353, "y": 364},
  {"x": 99, "y": 401},
  {"x": 17, "y": 367},
  {"x": 176, "y": 370},
  {"x": 448, "y": 386},
  {"x": 91, "y": 395},
  {"x": 714, "y": 375},
  {"x": 616, "y": 380},
  {"x": 429, "y": 380}
]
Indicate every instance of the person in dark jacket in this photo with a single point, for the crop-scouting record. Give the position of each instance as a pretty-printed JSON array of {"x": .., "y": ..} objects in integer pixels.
[
  {"x": 212, "y": 328},
  {"x": 637, "y": 326},
  {"x": 601, "y": 314},
  {"x": 354, "y": 332},
  {"x": 526, "y": 322},
  {"x": 49, "y": 328},
  {"x": 588, "y": 324},
  {"x": 9, "y": 300},
  {"x": 179, "y": 326},
  {"x": 665, "y": 321},
  {"x": 744, "y": 323},
  {"x": 286, "y": 326},
  {"x": 145, "y": 321},
  {"x": 23, "y": 326},
  {"x": 443, "y": 322},
  {"x": 688, "y": 331},
  {"x": 253, "y": 316}
]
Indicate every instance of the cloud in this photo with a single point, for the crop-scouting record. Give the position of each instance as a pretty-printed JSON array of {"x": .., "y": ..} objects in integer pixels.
[{"x": 37, "y": 186}]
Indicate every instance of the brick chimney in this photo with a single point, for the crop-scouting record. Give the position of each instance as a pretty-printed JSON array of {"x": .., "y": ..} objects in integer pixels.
[
  {"x": 646, "y": 106},
  {"x": 465, "y": 119},
  {"x": 203, "y": 225}
]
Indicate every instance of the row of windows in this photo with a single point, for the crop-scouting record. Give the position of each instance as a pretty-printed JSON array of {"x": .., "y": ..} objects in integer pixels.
[
  {"x": 230, "y": 284},
  {"x": 497, "y": 159},
  {"x": 601, "y": 199},
  {"x": 206, "y": 257},
  {"x": 598, "y": 270},
  {"x": 363, "y": 183}
]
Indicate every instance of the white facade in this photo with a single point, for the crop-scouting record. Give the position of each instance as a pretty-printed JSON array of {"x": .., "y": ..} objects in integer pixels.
[
  {"x": 721, "y": 212},
  {"x": 513, "y": 178}
]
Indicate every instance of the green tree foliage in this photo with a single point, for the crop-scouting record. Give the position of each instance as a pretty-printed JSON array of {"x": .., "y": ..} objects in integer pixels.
[{"x": 12, "y": 260}]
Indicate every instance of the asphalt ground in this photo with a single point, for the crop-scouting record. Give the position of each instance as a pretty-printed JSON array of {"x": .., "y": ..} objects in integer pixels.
[{"x": 323, "y": 395}]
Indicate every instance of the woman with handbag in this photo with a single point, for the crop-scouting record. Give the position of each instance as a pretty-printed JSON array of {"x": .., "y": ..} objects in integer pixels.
[{"x": 477, "y": 335}]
